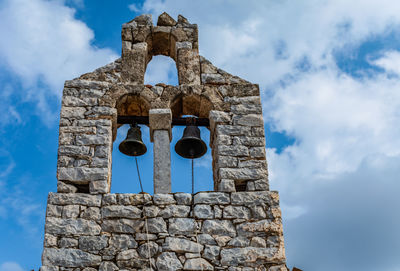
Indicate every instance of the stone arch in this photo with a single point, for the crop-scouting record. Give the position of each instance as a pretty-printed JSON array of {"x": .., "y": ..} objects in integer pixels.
[
  {"x": 132, "y": 104},
  {"x": 141, "y": 41},
  {"x": 193, "y": 104}
]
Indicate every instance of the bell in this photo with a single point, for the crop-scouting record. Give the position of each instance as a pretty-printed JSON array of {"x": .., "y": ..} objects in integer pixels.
[
  {"x": 133, "y": 144},
  {"x": 191, "y": 145}
]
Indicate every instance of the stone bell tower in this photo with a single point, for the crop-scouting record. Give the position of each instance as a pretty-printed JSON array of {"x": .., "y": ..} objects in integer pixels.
[{"x": 237, "y": 226}]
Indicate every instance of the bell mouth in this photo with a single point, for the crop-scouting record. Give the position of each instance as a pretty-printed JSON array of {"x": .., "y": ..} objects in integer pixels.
[
  {"x": 132, "y": 148},
  {"x": 191, "y": 145},
  {"x": 133, "y": 144},
  {"x": 191, "y": 148}
]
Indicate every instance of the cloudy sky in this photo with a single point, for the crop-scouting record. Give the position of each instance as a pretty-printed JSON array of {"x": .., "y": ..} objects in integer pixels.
[{"x": 329, "y": 73}]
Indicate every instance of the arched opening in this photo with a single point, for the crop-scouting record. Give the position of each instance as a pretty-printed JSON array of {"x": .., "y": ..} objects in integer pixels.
[
  {"x": 194, "y": 105},
  {"x": 124, "y": 172},
  {"x": 161, "y": 69},
  {"x": 181, "y": 170}
]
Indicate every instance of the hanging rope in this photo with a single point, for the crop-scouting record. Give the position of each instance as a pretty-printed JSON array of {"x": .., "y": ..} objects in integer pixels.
[
  {"x": 144, "y": 215},
  {"x": 192, "y": 178},
  {"x": 194, "y": 217},
  {"x": 138, "y": 173}
]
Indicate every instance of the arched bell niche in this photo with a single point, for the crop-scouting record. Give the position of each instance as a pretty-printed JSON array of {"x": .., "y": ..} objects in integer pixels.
[
  {"x": 191, "y": 105},
  {"x": 124, "y": 173}
]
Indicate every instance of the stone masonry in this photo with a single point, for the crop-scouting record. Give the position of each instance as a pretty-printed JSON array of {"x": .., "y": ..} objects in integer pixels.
[{"x": 236, "y": 227}]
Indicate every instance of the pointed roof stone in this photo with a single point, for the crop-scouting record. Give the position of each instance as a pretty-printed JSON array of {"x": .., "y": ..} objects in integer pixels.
[{"x": 165, "y": 20}]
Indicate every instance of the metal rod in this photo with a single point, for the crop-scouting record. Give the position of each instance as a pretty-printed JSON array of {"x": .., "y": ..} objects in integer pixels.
[
  {"x": 138, "y": 173},
  {"x": 175, "y": 121}
]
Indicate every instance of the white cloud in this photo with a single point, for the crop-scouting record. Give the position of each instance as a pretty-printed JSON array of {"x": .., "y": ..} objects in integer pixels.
[
  {"x": 10, "y": 266},
  {"x": 390, "y": 62},
  {"x": 134, "y": 7},
  {"x": 45, "y": 45}
]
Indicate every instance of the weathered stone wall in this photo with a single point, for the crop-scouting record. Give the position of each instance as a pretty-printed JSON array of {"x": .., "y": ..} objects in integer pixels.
[
  {"x": 236, "y": 227},
  {"x": 235, "y": 231}
]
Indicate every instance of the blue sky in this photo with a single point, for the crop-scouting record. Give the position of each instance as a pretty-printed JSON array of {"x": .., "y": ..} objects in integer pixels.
[{"x": 329, "y": 74}]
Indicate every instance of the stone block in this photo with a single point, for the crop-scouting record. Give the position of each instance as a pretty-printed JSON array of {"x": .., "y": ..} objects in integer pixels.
[
  {"x": 66, "y": 188},
  {"x": 91, "y": 213},
  {"x": 109, "y": 199},
  {"x": 134, "y": 63},
  {"x": 261, "y": 185},
  {"x": 69, "y": 257},
  {"x": 239, "y": 241},
  {"x": 226, "y": 185},
  {"x": 163, "y": 199},
  {"x": 70, "y": 227},
  {"x": 223, "y": 140},
  {"x": 165, "y": 20},
  {"x": 244, "y": 109},
  {"x": 93, "y": 243},
  {"x": 233, "y": 130},
  {"x": 219, "y": 227},
  {"x": 229, "y": 161},
  {"x": 127, "y": 255},
  {"x": 259, "y": 228},
  {"x": 248, "y": 255},
  {"x": 242, "y": 173},
  {"x": 77, "y": 198},
  {"x": 206, "y": 239},
  {"x": 212, "y": 79},
  {"x": 236, "y": 212},
  {"x": 108, "y": 266},
  {"x": 249, "y": 141},
  {"x": 122, "y": 241},
  {"x": 148, "y": 249},
  {"x": 82, "y": 175},
  {"x": 89, "y": 140},
  {"x": 183, "y": 198},
  {"x": 71, "y": 150},
  {"x": 180, "y": 245},
  {"x": 160, "y": 119},
  {"x": 156, "y": 225},
  {"x": 162, "y": 162},
  {"x": 48, "y": 268},
  {"x": 70, "y": 211},
  {"x": 99, "y": 187},
  {"x": 251, "y": 198},
  {"x": 54, "y": 210},
  {"x": 197, "y": 264},
  {"x": 203, "y": 211},
  {"x": 122, "y": 225},
  {"x": 258, "y": 242},
  {"x": 175, "y": 211},
  {"x": 168, "y": 261},
  {"x": 50, "y": 240},
  {"x": 249, "y": 120},
  {"x": 150, "y": 211},
  {"x": 233, "y": 150},
  {"x": 72, "y": 112},
  {"x": 211, "y": 252},
  {"x": 118, "y": 211},
  {"x": 188, "y": 66},
  {"x": 181, "y": 226},
  {"x": 211, "y": 198}
]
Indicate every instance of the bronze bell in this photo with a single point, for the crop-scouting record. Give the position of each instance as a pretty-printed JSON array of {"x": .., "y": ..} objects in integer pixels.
[
  {"x": 133, "y": 144},
  {"x": 191, "y": 145}
]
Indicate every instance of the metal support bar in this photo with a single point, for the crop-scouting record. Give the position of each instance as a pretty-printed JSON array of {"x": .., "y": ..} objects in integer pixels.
[{"x": 175, "y": 121}]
